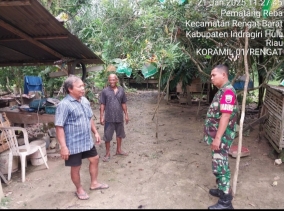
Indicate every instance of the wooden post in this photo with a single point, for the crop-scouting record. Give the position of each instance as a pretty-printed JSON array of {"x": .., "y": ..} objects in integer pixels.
[
  {"x": 1, "y": 192},
  {"x": 157, "y": 127},
  {"x": 156, "y": 109},
  {"x": 147, "y": 84},
  {"x": 21, "y": 96},
  {"x": 159, "y": 99},
  {"x": 69, "y": 66},
  {"x": 188, "y": 95},
  {"x": 235, "y": 179},
  {"x": 168, "y": 89}
]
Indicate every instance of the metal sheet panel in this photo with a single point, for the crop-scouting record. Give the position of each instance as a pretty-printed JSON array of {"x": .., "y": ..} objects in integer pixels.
[{"x": 30, "y": 35}]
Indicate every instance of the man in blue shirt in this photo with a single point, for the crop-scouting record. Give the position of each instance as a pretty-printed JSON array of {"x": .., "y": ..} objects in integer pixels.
[{"x": 74, "y": 124}]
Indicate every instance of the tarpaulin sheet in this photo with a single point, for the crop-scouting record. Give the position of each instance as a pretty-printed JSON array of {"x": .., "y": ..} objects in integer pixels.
[{"x": 32, "y": 83}]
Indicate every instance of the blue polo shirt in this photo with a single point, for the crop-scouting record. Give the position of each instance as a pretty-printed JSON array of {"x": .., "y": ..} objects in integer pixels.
[{"x": 74, "y": 117}]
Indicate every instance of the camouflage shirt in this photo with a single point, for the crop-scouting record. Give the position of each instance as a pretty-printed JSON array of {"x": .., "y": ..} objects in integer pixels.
[{"x": 224, "y": 101}]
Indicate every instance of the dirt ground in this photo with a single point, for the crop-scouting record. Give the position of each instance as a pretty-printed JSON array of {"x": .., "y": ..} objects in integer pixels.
[{"x": 172, "y": 171}]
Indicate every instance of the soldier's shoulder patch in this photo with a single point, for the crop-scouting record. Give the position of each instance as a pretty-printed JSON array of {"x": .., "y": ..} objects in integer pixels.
[{"x": 228, "y": 98}]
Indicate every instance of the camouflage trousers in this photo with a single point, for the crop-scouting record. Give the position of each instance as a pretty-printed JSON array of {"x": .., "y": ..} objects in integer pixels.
[{"x": 220, "y": 165}]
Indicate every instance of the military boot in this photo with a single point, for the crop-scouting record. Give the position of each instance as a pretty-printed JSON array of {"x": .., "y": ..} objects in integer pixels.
[
  {"x": 225, "y": 202},
  {"x": 216, "y": 192}
]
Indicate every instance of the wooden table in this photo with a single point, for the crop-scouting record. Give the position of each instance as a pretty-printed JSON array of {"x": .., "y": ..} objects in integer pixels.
[{"x": 20, "y": 117}]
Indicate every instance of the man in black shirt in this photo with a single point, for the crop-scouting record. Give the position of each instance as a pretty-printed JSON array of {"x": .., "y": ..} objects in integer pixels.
[{"x": 113, "y": 105}]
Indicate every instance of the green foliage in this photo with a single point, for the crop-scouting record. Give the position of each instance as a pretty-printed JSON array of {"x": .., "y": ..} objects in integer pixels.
[
  {"x": 279, "y": 73},
  {"x": 251, "y": 98},
  {"x": 139, "y": 37},
  {"x": 138, "y": 31},
  {"x": 184, "y": 73},
  {"x": 14, "y": 76},
  {"x": 51, "y": 84},
  {"x": 93, "y": 84},
  {"x": 5, "y": 201}
]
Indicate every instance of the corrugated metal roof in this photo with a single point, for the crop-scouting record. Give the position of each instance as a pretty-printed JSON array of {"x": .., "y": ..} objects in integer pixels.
[{"x": 30, "y": 35}]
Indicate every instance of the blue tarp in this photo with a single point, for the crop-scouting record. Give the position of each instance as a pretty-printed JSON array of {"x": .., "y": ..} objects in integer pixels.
[
  {"x": 240, "y": 82},
  {"x": 32, "y": 83},
  {"x": 239, "y": 85}
]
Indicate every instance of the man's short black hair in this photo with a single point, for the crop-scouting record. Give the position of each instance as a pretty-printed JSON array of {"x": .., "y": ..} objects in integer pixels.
[{"x": 223, "y": 67}]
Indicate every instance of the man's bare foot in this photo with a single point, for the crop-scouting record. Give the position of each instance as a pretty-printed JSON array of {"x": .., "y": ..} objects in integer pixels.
[
  {"x": 82, "y": 196},
  {"x": 121, "y": 153},
  {"x": 99, "y": 187},
  {"x": 106, "y": 159}
]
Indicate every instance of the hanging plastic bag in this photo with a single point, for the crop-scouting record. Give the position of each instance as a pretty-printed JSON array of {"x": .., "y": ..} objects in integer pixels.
[
  {"x": 282, "y": 83},
  {"x": 149, "y": 69},
  {"x": 123, "y": 68}
]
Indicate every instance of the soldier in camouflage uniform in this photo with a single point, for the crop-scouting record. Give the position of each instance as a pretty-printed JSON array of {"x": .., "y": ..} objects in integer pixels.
[{"x": 220, "y": 128}]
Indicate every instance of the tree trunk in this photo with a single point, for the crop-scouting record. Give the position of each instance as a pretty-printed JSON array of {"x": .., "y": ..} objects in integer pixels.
[{"x": 260, "y": 81}]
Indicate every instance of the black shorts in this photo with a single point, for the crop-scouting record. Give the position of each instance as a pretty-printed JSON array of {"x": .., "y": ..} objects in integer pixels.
[{"x": 76, "y": 159}]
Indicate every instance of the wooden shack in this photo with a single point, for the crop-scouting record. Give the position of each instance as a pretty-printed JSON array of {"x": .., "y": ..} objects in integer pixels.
[
  {"x": 197, "y": 87},
  {"x": 273, "y": 127}
]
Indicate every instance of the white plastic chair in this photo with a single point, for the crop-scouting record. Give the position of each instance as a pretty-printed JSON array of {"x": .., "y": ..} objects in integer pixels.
[{"x": 22, "y": 151}]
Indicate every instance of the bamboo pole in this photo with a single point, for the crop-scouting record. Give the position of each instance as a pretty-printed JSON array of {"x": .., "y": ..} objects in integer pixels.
[
  {"x": 159, "y": 84},
  {"x": 157, "y": 128},
  {"x": 158, "y": 105},
  {"x": 235, "y": 179},
  {"x": 160, "y": 99}
]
